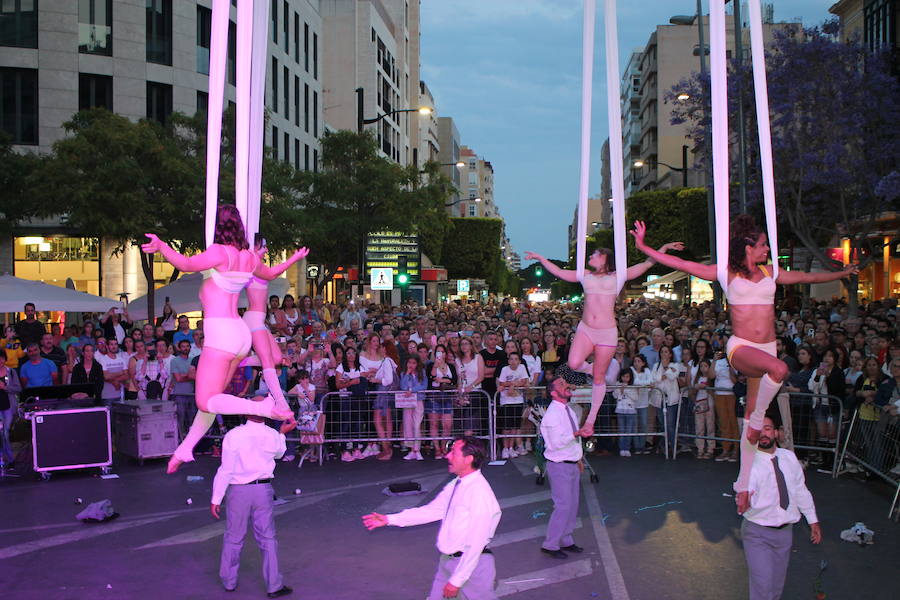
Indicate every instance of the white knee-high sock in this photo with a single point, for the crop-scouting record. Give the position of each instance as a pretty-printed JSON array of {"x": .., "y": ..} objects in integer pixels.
[
  {"x": 199, "y": 427},
  {"x": 226, "y": 404},
  {"x": 274, "y": 384},
  {"x": 767, "y": 390},
  {"x": 748, "y": 453},
  {"x": 598, "y": 392}
]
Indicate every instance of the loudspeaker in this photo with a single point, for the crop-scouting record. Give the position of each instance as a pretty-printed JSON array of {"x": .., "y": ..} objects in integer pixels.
[{"x": 71, "y": 439}]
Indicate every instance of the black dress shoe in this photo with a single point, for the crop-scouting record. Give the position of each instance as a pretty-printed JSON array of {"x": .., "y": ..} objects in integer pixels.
[
  {"x": 284, "y": 591},
  {"x": 573, "y": 548},
  {"x": 554, "y": 553},
  {"x": 230, "y": 589}
]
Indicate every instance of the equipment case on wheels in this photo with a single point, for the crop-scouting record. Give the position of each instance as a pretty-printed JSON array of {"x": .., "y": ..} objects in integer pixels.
[
  {"x": 144, "y": 429},
  {"x": 71, "y": 439}
]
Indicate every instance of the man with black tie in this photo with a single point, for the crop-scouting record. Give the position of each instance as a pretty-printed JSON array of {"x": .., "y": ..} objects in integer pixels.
[
  {"x": 778, "y": 495},
  {"x": 562, "y": 449},
  {"x": 469, "y": 514}
]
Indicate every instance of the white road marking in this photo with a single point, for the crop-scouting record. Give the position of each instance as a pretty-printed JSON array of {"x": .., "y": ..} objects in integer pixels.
[
  {"x": 544, "y": 577},
  {"x": 607, "y": 554},
  {"x": 89, "y": 531},
  {"x": 520, "y": 535},
  {"x": 524, "y": 499},
  {"x": 525, "y": 465},
  {"x": 397, "y": 503}
]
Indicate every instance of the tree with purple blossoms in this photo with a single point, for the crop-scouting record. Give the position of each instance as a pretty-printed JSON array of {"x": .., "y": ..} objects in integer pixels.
[{"x": 835, "y": 114}]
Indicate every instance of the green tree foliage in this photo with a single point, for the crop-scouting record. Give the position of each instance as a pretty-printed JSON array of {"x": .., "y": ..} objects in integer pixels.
[
  {"x": 472, "y": 248},
  {"x": 17, "y": 203},
  {"x": 356, "y": 191},
  {"x": 116, "y": 179}
]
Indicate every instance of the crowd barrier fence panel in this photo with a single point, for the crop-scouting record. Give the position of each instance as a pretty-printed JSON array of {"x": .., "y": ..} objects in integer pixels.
[{"x": 875, "y": 444}]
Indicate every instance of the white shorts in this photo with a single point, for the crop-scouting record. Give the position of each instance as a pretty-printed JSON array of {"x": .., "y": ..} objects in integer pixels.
[
  {"x": 227, "y": 334},
  {"x": 255, "y": 320},
  {"x": 607, "y": 336},
  {"x": 735, "y": 342}
]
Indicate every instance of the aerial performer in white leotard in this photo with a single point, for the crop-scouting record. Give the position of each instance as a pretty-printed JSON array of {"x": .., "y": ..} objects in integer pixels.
[
  {"x": 750, "y": 292},
  {"x": 266, "y": 348},
  {"x": 227, "y": 337},
  {"x": 597, "y": 333}
]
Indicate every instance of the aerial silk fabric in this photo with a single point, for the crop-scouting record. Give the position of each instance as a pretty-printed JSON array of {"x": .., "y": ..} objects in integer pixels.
[
  {"x": 615, "y": 136},
  {"x": 719, "y": 91},
  {"x": 251, "y": 50}
]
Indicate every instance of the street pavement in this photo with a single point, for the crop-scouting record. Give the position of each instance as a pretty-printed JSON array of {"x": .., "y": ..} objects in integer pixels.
[{"x": 651, "y": 529}]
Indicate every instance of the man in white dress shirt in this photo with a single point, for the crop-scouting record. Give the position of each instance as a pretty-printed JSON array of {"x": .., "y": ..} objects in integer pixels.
[
  {"x": 247, "y": 470},
  {"x": 562, "y": 449},
  {"x": 469, "y": 514},
  {"x": 778, "y": 495}
]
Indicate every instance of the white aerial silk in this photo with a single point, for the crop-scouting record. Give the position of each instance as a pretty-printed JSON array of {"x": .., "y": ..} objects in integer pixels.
[
  {"x": 615, "y": 137},
  {"x": 719, "y": 91}
]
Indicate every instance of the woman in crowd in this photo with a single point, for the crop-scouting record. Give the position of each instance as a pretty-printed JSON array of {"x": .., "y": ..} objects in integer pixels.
[
  {"x": 380, "y": 371},
  {"x": 550, "y": 357},
  {"x": 227, "y": 338},
  {"x": 72, "y": 359},
  {"x": 512, "y": 380},
  {"x": 665, "y": 380},
  {"x": 9, "y": 389},
  {"x": 351, "y": 402},
  {"x": 87, "y": 334},
  {"x": 439, "y": 403},
  {"x": 128, "y": 346},
  {"x": 470, "y": 374},
  {"x": 703, "y": 409},
  {"x": 116, "y": 324},
  {"x": 308, "y": 315},
  {"x": 626, "y": 413},
  {"x": 88, "y": 370},
  {"x": 750, "y": 291},
  {"x": 827, "y": 380},
  {"x": 798, "y": 383},
  {"x": 292, "y": 315},
  {"x": 643, "y": 377},
  {"x": 276, "y": 320},
  {"x": 869, "y": 413},
  {"x": 140, "y": 355},
  {"x": 168, "y": 321},
  {"x": 413, "y": 381},
  {"x": 532, "y": 360}
]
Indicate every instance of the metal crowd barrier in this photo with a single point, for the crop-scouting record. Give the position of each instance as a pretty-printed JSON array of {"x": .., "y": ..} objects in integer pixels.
[
  {"x": 811, "y": 423},
  {"x": 875, "y": 445},
  {"x": 607, "y": 424}
]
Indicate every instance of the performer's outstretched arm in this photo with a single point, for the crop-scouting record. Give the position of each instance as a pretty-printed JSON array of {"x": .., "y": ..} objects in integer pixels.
[
  {"x": 702, "y": 271},
  {"x": 209, "y": 258},
  {"x": 639, "y": 269},
  {"x": 564, "y": 274},
  {"x": 269, "y": 273},
  {"x": 789, "y": 277}
]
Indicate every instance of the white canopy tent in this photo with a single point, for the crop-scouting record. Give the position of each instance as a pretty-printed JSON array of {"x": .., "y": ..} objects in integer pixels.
[
  {"x": 15, "y": 292},
  {"x": 184, "y": 295}
]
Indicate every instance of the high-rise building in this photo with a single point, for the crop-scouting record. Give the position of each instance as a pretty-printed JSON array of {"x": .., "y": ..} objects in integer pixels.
[
  {"x": 140, "y": 59},
  {"x": 373, "y": 45},
  {"x": 873, "y": 22},
  {"x": 630, "y": 96},
  {"x": 428, "y": 145},
  {"x": 476, "y": 187},
  {"x": 448, "y": 155}
]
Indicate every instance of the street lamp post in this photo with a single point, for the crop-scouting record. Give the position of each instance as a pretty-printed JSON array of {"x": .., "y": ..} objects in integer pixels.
[
  {"x": 455, "y": 202},
  {"x": 683, "y": 169},
  {"x": 360, "y": 120}
]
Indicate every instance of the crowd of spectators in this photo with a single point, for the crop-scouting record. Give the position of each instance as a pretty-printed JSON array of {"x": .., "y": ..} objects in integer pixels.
[{"x": 457, "y": 350}]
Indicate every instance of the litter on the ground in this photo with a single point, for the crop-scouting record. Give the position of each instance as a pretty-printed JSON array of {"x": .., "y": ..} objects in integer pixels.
[
  {"x": 538, "y": 514},
  {"x": 194, "y": 478},
  {"x": 497, "y": 463},
  {"x": 859, "y": 533},
  {"x": 657, "y": 506}
]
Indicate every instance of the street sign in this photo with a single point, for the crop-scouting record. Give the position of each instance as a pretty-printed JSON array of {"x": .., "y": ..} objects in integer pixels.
[
  {"x": 462, "y": 286},
  {"x": 312, "y": 271},
  {"x": 382, "y": 278}
]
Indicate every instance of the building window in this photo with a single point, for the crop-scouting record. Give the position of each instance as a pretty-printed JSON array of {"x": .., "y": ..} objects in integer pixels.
[
  {"x": 306, "y": 107},
  {"x": 315, "y": 160},
  {"x": 159, "y": 101},
  {"x": 287, "y": 94},
  {"x": 275, "y": 143},
  {"x": 306, "y": 46},
  {"x": 18, "y": 23},
  {"x": 296, "y": 38},
  {"x": 95, "y": 91},
  {"x": 879, "y": 27},
  {"x": 204, "y": 28},
  {"x": 315, "y": 114},
  {"x": 95, "y": 27},
  {"x": 296, "y": 155},
  {"x": 232, "y": 53},
  {"x": 297, "y": 100},
  {"x": 275, "y": 21},
  {"x": 287, "y": 148},
  {"x": 274, "y": 84},
  {"x": 315, "y": 56},
  {"x": 472, "y": 210},
  {"x": 202, "y": 102},
  {"x": 19, "y": 104},
  {"x": 287, "y": 24},
  {"x": 159, "y": 31},
  {"x": 306, "y": 156}
]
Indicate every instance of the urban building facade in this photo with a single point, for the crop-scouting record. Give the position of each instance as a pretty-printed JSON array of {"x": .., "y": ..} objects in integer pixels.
[
  {"x": 373, "y": 45},
  {"x": 630, "y": 98},
  {"x": 140, "y": 59},
  {"x": 448, "y": 154}
]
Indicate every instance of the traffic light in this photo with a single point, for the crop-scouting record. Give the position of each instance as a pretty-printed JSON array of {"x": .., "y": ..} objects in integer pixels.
[
  {"x": 402, "y": 271},
  {"x": 538, "y": 272}
]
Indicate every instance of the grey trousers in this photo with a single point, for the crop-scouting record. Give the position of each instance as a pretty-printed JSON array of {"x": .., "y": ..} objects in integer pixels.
[
  {"x": 247, "y": 502},
  {"x": 768, "y": 552},
  {"x": 564, "y": 490},
  {"x": 480, "y": 585}
]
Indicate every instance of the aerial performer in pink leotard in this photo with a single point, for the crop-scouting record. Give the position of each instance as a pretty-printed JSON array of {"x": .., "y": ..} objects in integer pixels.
[
  {"x": 227, "y": 337},
  {"x": 597, "y": 333},
  {"x": 750, "y": 291}
]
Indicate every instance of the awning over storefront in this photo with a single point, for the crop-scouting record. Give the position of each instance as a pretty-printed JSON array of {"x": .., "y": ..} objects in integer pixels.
[
  {"x": 667, "y": 279},
  {"x": 15, "y": 292}
]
